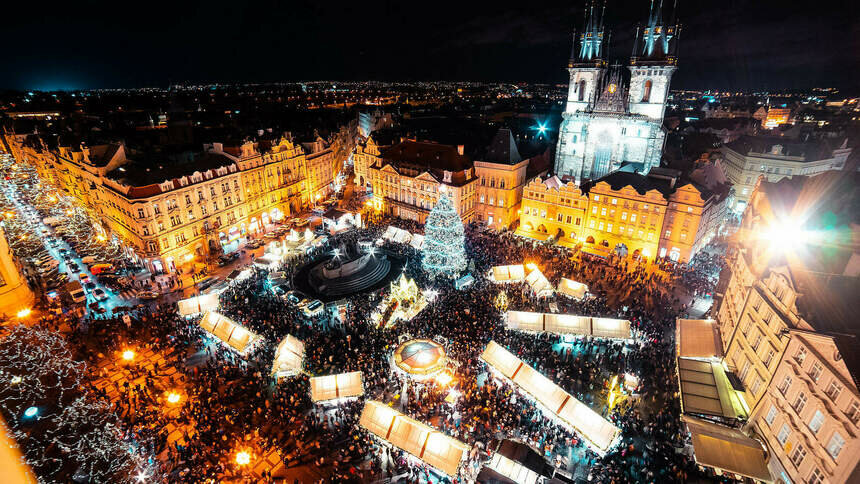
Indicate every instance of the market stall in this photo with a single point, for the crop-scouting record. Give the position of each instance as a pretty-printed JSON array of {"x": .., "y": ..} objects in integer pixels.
[
  {"x": 427, "y": 444},
  {"x": 571, "y": 288},
  {"x": 598, "y": 432},
  {"x": 334, "y": 387},
  {"x": 226, "y": 330},
  {"x": 198, "y": 304},
  {"x": 512, "y": 273},
  {"x": 289, "y": 357}
]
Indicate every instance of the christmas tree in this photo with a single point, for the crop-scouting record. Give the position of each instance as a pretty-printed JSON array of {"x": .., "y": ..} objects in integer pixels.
[{"x": 444, "y": 252}]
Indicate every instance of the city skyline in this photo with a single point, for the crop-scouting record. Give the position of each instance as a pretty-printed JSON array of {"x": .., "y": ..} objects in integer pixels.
[{"x": 745, "y": 46}]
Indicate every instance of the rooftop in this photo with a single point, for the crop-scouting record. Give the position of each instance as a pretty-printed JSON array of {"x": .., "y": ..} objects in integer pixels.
[
  {"x": 433, "y": 158},
  {"x": 809, "y": 150},
  {"x": 153, "y": 168}
]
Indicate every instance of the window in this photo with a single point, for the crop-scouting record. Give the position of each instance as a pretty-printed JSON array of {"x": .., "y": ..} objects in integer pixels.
[
  {"x": 146, "y": 230},
  {"x": 784, "y": 432},
  {"x": 594, "y": 210},
  {"x": 582, "y": 90},
  {"x": 187, "y": 199},
  {"x": 668, "y": 233},
  {"x": 482, "y": 201},
  {"x": 501, "y": 202},
  {"x": 632, "y": 217},
  {"x": 799, "y": 402},
  {"x": 160, "y": 226},
  {"x": 597, "y": 198},
  {"x": 835, "y": 446},
  {"x": 816, "y": 476},
  {"x": 816, "y": 422},
  {"x": 155, "y": 208},
  {"x": 623, "y": 215},
  {"x": 771, "y": 414},
  {"x": 203, "y": 209},
  {"x": 756, "y": 341},
  {"x": 560, "y": 217},
  {"x": 568, "y": 219},
  {"x": 646, "y": 91},
  {"x": 800, "y": 356},
  {"x": 745, "y": 370},
  {"x": 140, "y": 213},
  {"x": 614, "y": 201},
  {"x": 578, "y": 221},
  {"x": 591, "y": 224},
  {"x": 609, "y": 227},
  {"x": 815, "y": 372},
  {"x": 769, "y": 358},
  {"x": 798, "y": 455},
  {"x": 853, "y": 412},
  {"x": 756, "y": 385},
  {"x": 603, "y": 211},
  {"x": 834, "y": 390},
  {"x": 784, "y": 385}
]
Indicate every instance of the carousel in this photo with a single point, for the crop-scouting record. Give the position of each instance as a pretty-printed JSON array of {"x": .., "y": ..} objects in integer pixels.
[{"x": 421, "y": 358}]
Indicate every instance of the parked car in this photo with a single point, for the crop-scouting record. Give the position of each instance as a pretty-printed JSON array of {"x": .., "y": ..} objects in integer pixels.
[
  {"x": 148, "y": 295},
  {"x": 84, "y": 277},
  {"x": 99, "y": 294},
  {"x": 225, "y": 259}
]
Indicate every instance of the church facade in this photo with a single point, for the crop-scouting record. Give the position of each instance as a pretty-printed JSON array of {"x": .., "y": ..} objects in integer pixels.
[{"x": 609, "y": 121}]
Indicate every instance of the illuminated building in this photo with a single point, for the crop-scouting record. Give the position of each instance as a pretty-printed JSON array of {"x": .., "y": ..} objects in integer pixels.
[
  {"x": 321, "y": 168},
  {"x": 776, "y": 117},
  {"x": 787, "y": 321},
  {"x": 15, "y": 294},
  {"x": 408, "y": 177},
  {"x": 174, "y": 209},
  {"x": 609, "y": 123},
  {"x": 658, "y": 215},
  {"x": 749, "y": 157},
  {"x": 503, "y": 174}
]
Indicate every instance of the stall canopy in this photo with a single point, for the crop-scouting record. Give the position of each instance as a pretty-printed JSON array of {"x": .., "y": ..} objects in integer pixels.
[
  {"x": 397, "y": 235},
  {"x": 417, "y": 241},
  {"x": 539, "y": 283},
  {"x": 514, "y": 273},
  {"x": 230, "y": 333},
  {"x": 598, "y": 432},
  {"x": 698, "y": 338},
  {"x": 198, "y": 304},
  {"x": 342, "y": 385},
  {"x": 289, "y": 357},
  {"x": 727, "y": 449},
  {"x": 420, "y": 440},
  {"x": 707, "y": 390},
  {"x": 569, "y": 324},
  {"x": 514, "y": 471},
  {"x": 572, "y": 288}
]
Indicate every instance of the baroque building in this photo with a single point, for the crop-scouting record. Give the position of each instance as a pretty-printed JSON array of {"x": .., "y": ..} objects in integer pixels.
[
  {"x": 608, "y": 122},
  {"x": 786, "y": 321}
]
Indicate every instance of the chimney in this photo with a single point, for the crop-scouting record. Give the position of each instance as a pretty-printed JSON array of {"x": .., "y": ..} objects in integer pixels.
[{"x": 460, "y": 149}]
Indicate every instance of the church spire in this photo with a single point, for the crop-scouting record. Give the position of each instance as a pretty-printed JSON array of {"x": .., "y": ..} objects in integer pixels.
[
  {"x": 591, "y": 39},
  {"x": 659, "y": 38}
]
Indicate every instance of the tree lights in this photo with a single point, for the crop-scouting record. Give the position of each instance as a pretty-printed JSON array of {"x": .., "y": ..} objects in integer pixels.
[{"x": 444, "y": 252}]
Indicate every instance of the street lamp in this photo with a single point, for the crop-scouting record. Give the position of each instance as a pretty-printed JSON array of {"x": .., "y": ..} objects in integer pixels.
[
  {"x": 128, "y": 355},
  {"x": 243, "y": 458}
]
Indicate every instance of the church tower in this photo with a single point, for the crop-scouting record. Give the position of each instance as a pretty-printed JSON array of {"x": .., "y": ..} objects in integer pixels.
[
  {"x": 652, "y": 64},
  {"x": 587, "y": 67}
]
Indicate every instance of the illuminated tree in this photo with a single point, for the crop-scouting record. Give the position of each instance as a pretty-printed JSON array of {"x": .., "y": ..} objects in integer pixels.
[{"x": 444, "y": 250}]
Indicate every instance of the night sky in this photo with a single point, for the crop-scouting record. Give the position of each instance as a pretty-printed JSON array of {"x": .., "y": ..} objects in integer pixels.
[{"x": 726, "y": 44}]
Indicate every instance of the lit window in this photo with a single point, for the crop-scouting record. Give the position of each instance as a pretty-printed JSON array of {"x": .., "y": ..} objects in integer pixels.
[
  {"x": 783, "y": 434},
  {"x": 816, "y": 476},
  {"x": 798, "y": 455},
  {"x": 817, "y": 421},
  {"x": 834, "y": 448},
  {"x": 834, "y": 390},
  {"x": 815, "y": 372}
]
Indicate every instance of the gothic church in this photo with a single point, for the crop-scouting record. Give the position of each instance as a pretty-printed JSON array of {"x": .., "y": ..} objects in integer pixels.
[{"x": 608, "y": 122}]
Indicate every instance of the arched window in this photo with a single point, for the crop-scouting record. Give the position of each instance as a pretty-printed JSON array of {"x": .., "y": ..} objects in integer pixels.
[
  {"x": 502, "y": 183},
  {"x": 582, "y": 90},
  {"x": 646, "y": 91}
]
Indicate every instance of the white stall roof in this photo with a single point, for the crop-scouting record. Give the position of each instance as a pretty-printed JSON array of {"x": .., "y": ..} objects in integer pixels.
[
  {"x": 228, "y": 331},
  {"x": 512, "y": 470},
  {"x": 539, "y": 283},
  {"x": 610, "y": 328},
  {"x": 289, "y": 357},
  {"x": 342, "y": 385},
  {"x": 593, "y": 428},
  {"x": 198, "y": 304},
  {"x": 513, "y": 273},
  {"x": 569, "y": 324},
  {"x": 572, "y": 288},
  {"x": 420, "y": 440}
]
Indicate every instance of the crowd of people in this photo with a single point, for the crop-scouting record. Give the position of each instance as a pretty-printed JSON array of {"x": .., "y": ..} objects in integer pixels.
[{"x": 234, "y": 402}]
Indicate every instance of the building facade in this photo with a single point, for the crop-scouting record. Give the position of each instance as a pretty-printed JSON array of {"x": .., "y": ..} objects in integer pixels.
[
  {"x": 783, "y": 308},
  {"x": 15, "y": 294},
  {"x": 750, "y": 157},
  {"x": 658, "y": 215},
  {"x": 408, "y": 177},
  {"x": 174, "y": 211},
  {"x": 503, "y": 174},
  {"x": 608, "y": 123}
]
